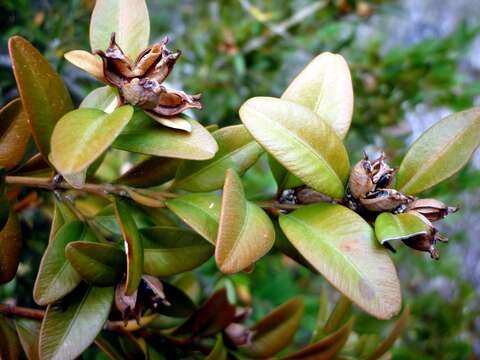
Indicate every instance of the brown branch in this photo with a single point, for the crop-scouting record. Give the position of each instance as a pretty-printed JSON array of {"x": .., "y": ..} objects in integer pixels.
[{"x": 18, "y": 311}]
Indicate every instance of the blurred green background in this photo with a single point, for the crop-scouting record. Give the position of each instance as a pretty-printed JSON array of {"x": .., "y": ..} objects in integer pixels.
[{"x": 412, "y": 63}]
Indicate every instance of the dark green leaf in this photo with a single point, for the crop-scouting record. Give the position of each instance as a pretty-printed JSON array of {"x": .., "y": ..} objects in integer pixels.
[
  {"x": 56, "y": 277},
  {"x": 150, "y": 172},
  {"x": 10, "y": 348},
  {"x": 133, "y": 245},
  {"x": 69, "y": 328},
  {"x": 219, "y": 351},
  {"x": 169, "y": 250},
  {"x": 180, "y": 304},
  {"x": 97, "y": 264},
  {"x": 10, "y": 248},
  {"x": 44, "y": 95}
]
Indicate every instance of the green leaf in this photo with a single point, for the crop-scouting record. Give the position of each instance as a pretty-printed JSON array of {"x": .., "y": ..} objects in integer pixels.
[
  {"x": 150, "y": 172},
  {"x": 219, "y": 351},
  {"x": 133, "y": 245},
  {"x": 275, "y": 331},
  {"x": 69, "y": 329},
  {"x": 342, "y": 247},
  {"x": 145, "y": 136},
  {"x": 61, "y": 215},
  {"x": 56, "y": 277},
  {"x": 44, "y": 96},
  {"x": 303, "y": 143},
  {"x": 10, "y": 248},
  {"x": 4, "y": 203},
  {"x": 440, "y": 152},
  {"x": 108, "y": 220},
  {"x": 245, "y": 232},
  {"x": 109, "y": 343},
  {"x": 397, "y": 227},
  {"x": 28, "y": 332},
  {"x": 283, "y": 178},
  {"x": 104, "y": 98},
  {"x": 14, "y": 134},
  {"x": 169, "y": 250},
  {"x": 97, "y": 264},
  {"x": 10, "y": 348},
  {"x": 236, "y": 150},
  {"x": 326, "y": 348},
  {"x": 200, "y": 211},
  {"x": 180, "y": 305},
  {"x": 82, "y": 135},
  {"x": 127, "y": 18},
  {"x": 325, "y": 87}
]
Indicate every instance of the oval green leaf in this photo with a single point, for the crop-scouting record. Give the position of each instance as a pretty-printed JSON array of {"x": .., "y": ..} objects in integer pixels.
[
  {"x": 56, "y": 277},
  {"x": 68, "y": 330},
  {"x": 44, "y": 95},
  {"x": 440, "y": 152},
  {"x": 10, "y": 248},
  {"x": 275, "y": 331},
  {"x": 103, "y": 98},
  {"x": 150, "y": 172},
  {"x": 14, "y": 134},
  {"x": 325, "y": 87},
  {"x": 28, "y": 332},
  {"x": 133, "y": 245},
  {"x": 97, "y": 264},
  {"x": 219, "y": 351},
  {"x": 169, "y": 250},
  {"x": 236, "y": 149},
  {"x": 145, "y": 136},
  {"x": 82, "y": 135},
  {"x": 245, "y": 232},
  {"x": 200, "y": 211},
  {"x": 342, "y": 247},
  {"x": 128, "y": 19},
  {"x": 397, "y": 227},
  {"x": 303, "y": 143}
]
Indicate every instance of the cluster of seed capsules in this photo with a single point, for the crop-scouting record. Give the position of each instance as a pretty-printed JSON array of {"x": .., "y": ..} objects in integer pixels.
[{"x": 370, "y": 192}]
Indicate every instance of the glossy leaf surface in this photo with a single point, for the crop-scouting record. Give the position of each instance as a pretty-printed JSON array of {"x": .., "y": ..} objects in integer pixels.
[
  {"x": 56, "y": 277},
  {"x": 14, "y": 134},
  {"x": 303, "y": 143},
  {"x": 396, "y": 227},
  {"x": 98, "y": 264},
  {"x": 200, "y": 211},
  {"x": 325, "y": 87},
  {"x": 127, "y": 18},
  {"x": 169, "y": 250},
  {"x": 69, "y": 329},
  {"x": 245, "y": 232},
  {"x": 103, "y": 98},
  {"x": 145, "y": 136},
  {"x": 342, "y": 247},
  {"x": 82, "y": 135},
  {"x": 236, "y": 149},
  {"x": 440, "y": 152},
  {"x": 150, "y": 172},
  {"x": 35, "y": 79},
  {"x": 133, "y": 245},
  {"x": 10, "y": 248}
]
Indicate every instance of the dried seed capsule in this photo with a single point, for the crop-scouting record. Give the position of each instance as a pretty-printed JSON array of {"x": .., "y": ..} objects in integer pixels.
[
  {"x": 432, "y": 209},
  {"x": 384, "y": 200},
  {"x": 360, "y": 182}
]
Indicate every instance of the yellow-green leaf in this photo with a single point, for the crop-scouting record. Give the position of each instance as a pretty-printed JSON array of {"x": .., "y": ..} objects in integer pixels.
[
  {"x": 245, "y": 232},
  {"x": 44, "y": 96},
  {"x": 219, "y": 351},
  {"x": 303, "y": 143},
  {"x": 28, "y": 332},
  {"x": 236, "y": 149},
  {"x": 145, "y": 136},
  {"x": 56, "y": 277},
  {"x": 14, "y": 134},
  {"x": 440, "y": 152},
  {"x": 325, "y": 87},
  {"x": 275, "y": 331},
  {"x": 104, "y": 98},
  {"x": 69, "y": 329},
  {"x": 342, "y": 247},
  {"x": 397, "y": 227},
  {"x": 133, "y": 245},
  {"x": 10, "y": 248},
  {"x": 82, "y": 135},
  {"x": 200, "y": 211},
  {"x": 127, "y": 18},
  {"x": 169, "y": 250}
]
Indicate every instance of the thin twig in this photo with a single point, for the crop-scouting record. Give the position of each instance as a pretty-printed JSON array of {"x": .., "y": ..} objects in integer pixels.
[{"x": 18, "y": 311}]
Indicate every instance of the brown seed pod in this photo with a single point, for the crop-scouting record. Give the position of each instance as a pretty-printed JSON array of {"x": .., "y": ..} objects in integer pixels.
[
  {"x": 360, "y": 182},
  {"x": 384, "y": 200},
  {"x": 432, "y": 209}
]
